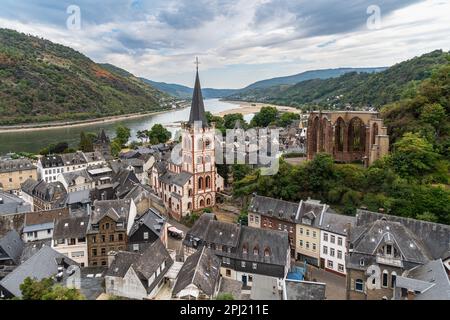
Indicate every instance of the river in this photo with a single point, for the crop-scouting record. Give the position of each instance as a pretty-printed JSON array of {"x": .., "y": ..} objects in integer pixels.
[{"x": 33, "y": 141}]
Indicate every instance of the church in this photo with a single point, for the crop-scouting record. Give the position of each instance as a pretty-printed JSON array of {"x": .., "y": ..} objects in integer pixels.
[{"x": 190, "y": 184}]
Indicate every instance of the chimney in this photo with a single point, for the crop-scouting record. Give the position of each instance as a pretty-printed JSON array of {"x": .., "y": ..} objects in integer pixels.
[{"x": 111, "y": 257}]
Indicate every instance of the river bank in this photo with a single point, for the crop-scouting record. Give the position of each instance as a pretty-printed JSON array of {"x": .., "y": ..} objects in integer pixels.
[{"x": 246, "y": 108}]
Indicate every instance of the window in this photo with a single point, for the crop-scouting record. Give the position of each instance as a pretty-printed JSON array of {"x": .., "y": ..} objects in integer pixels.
[
  {"x": 361, "y": 262},
  {"x": 314, "y": 247},
  {"x": 135, "y": 247},
  {"x": 332, "y": 251},
  {"x": 307, "y": 232},
  {"x": 325, "y": 237},
  {"x": 103, "y": 263},
  {"x": 325, "y": 250},
  {"x": 359, "y": 285},
  {"x": 254, "y": 266},
  {"x": 340, "y": 267},
  {"x": 389, "y": 250},
  {"x": 393, "y": 279},
  {"x": 94, "y": 239},
  {"x": 243, "y": 264},
  {"x": 120, "y": 237},
  {"x": 256, "y": 219},
  {"x": 251, "y": 217},
  {"x": 332, "y": 239},
  {"x": 94, "y": 252},
  {"x": 244, "y": 250},
  {"x": 339, "y": 254},
  {"x": 107, "y": 226},
  {"x": 330, "y": 264},
  {"x": 111, "y": 238},
  {"x": 103, "y": 251},
  {"x": 307, "y": 245},
  {"x": 339, "y": 241},
  {"x": 250, "y": 278},
  {"x": 301, "y": 230},
  {"x": 49, "y": 231},
  {"x": 255, "y": 251},
  {"x": 145, "y": 235},
  {"x": 384, "y": 281},
  {"x": 228, "y": 272},
  {"x": 301, "y": 243},
  {"x": 314, "y": 234},
  {"x": 103, "y": 238}
]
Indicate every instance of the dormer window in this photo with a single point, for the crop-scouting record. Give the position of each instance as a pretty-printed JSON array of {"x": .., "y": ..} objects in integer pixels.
[
  {"x": 361, "y": 262},
  {"x": 255, "y": 251},
  {"x": 266, "y": 252},
  {"x": 388, "y": 249},
  {"x": 244, "y": 250}
]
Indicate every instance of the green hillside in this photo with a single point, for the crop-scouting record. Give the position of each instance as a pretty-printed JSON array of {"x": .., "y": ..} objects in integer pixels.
[
  {"x": 42, "y": 81},
  {"x": 357, "y": 89}
]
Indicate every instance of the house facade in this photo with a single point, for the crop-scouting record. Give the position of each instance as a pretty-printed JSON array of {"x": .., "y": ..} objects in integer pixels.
[
  {"x": 109, "y": 225},
  {"x": 44, "y": 196},
  {"x": 15, "y": 172},
  {"x": 76, "y": 180},
  {"x": 138, "y": 275},
  {"x": 384, "y": 247},
  {"x": 69, "y": 238},
  {"x": 40, "y": 225}
]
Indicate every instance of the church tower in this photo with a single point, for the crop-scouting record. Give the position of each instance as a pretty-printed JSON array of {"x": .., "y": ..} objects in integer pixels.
[{"x": 198, "y": 153}]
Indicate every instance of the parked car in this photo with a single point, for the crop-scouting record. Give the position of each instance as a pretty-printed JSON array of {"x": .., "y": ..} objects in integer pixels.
[{"x": 175, "y": 233}]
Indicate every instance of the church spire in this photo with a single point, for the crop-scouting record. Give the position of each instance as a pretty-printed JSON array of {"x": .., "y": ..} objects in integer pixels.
[{"x": 197, "y": 107}]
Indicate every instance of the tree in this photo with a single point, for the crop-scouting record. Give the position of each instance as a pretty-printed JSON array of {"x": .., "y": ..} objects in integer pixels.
[
  {"x": 123, "y": 134},
  {"x": 59, "y": 292},
  {"x": 413, "y": 157},
  {"x": 287, "y": 118},
  {"x": 434, "y": 115},
  {"x": 264, "y": 117},
  {"x": 230, "y": 120},
  {"x": 243, "y": 218},
  {"x": 159, "y": 134},
  {"x": 225, "y": 296},
  {"x": 45, "y": 289},
  {"x": 116, "y": 147},
  {"x": 86, "y": 143}
]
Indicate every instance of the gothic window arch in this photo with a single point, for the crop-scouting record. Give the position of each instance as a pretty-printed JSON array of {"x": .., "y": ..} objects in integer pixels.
[
  {"x": 202, "y": 203},
  {"x": 208, "y": 201},
  {"x": 374, "y": 132},
  {"x": 339, "y": 132},
  {"x": 208, "y": 182},
  {"x": 356, "y": 135},
  {"x": 200, "y": 144},
  {"x": 200, "y": 183}
]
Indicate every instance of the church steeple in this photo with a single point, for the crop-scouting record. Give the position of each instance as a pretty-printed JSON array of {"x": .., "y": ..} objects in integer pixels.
[{"x": 197, "y": 107}]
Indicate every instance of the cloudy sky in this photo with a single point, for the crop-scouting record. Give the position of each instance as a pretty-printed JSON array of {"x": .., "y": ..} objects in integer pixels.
[{"x": 237, "y": 41}]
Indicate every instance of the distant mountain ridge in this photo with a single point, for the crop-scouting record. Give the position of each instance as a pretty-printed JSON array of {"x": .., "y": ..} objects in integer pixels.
[
  {"x": 358, "y": 89},
  {"x": 41, "y": 81},
  {"x": 184, "y": 92}
]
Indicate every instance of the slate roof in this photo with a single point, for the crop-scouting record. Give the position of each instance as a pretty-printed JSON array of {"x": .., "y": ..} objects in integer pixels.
[
  {"x": 276, "y": 208},
  {"x": 197, "y": 107},
  {"x": 50, "y": 192},
  {"x": 12, "y": 204},
  {"x": 94, "y": 156},
  {"x": 72, "y": 227},
  {"x": 202, "y": 269},
  {"x": 144, "y": 264},
  {"x": 12, "y": 245},
  {"x": 431, "y": 280},
  {"x": 380, "y": 231},
  {"x": 179, "y": 179},
  {"x": 223, "y": 233},
  {"x": 304, "y": 290},
  {"x": 276, "y": 241},
  {"x": 31, "y": 248},
  {"x": 16, "y": 165},
  {"x": 51, "y": 161},
  {"x": 41, "y": 265},
  {"x": 336, "y": 223},
  {"x": 116, "y": 209},
  {"x": 311, "y": 209},
  {"x": 29, "y": 185},
  {"x": 123, "y": 182},
  {"x": 71, "y": 176},
  {"x": 82, "y": 196},
  {"x": 434, "y": 235},
  {"x": 73, "y": 158},
  {"x": 152, "y": 219},
  {"x": 200, "y": 227}
]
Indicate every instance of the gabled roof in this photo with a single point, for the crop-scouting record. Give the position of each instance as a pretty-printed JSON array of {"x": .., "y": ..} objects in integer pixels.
[
  {"x": 115, "y": 209},
  {"x": 200, "y": 227},
  {"x": 201, "y": 269},
  {"x": 382, "y": 231},
  {"x": 152, "y": 219},
  {"x": 71, "y": 176},
  {"x": 430, "y": 281},
  {"x": 12, "y": 245},
  {"x": 312, "y": 210},
  {"x": 16, "y": 165},
  {"x": 72, "y": 227},
  {"x": 223, "y": 233},
  {"x": 277, "y": 208},
  {"x": 179, "y": 179},
  {"x": 277, "y": 242},
  {"x": 43, "y": 264},
  {"x": 197, "y": 107},
  {"x": 336, "y": 223},
  {"x": 11, "y": 203},
  {"x": 145, "y": 264}
]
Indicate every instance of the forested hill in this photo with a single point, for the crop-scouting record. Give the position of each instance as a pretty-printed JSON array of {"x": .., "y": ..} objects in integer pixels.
[
  {"x": 42, "y": 81},
  {"x": 357, "y": 89}
]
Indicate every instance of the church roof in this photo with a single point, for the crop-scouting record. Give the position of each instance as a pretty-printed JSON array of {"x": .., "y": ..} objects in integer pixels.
[{"x": 197, "y": 107}]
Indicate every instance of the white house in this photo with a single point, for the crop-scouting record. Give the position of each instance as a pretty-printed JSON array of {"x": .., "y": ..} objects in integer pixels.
[
  {"x": 333, "y": 237},
  {"x": 138, "y": 275},
  {"x": 76, "y": 180},
  {"x": 69, "y": 238}
]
